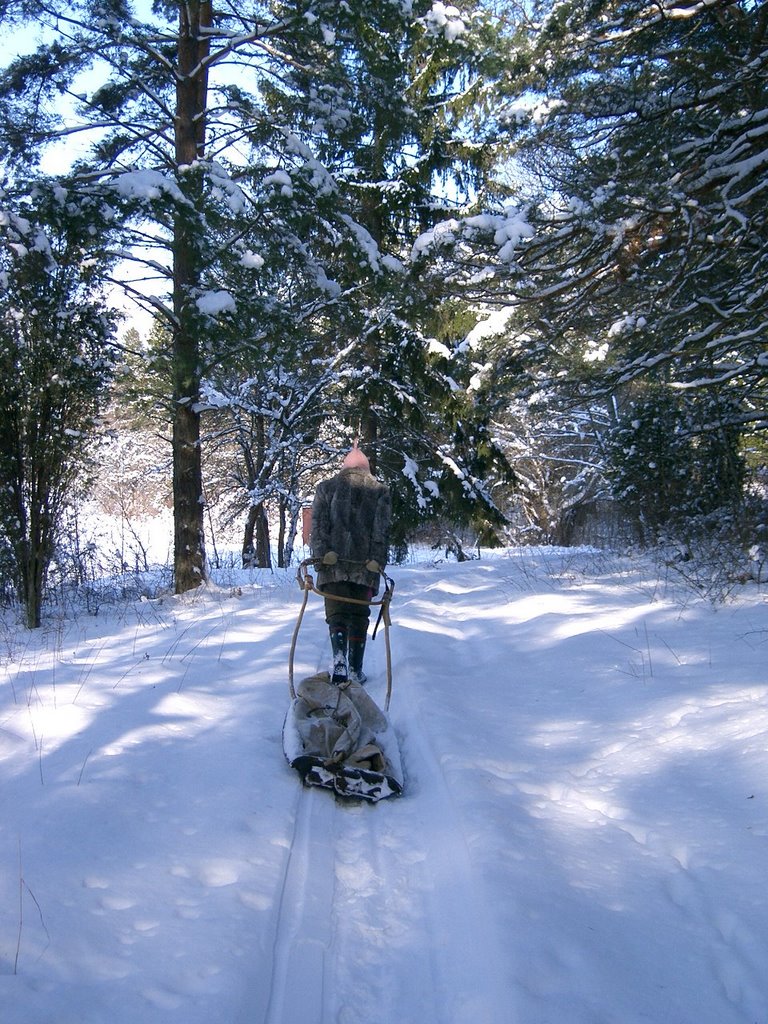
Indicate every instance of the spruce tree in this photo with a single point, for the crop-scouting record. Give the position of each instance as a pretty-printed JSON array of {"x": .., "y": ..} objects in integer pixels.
[
  {"x": 638, "y": 135},
  {"x": 631, "y": 243},
  {"x": 231, "y": 141},
  {"x": 55, "y": 366}
]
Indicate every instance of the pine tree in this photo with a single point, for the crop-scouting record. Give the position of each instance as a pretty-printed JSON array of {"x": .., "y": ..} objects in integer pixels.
[
  {"x": 55, "y": 366},
  {"x": 631, "y": 244},
  {"x": 234, "y": 140},
  {"x": 638, "y": 134},
  {"x": 673, "y": 460}
]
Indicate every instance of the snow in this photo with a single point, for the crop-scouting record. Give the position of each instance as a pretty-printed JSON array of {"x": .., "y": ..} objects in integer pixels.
[
  {"x": 223, "y": 187},
  {"x": 325, "y": 284},
  {"x": 147, "y": 184},
  {"x": 443, "y": 233},
  {"x": 582, "y": 838},
  {"x": 411, "y": 473},
  {"x": 494, "y": 324},
  {"x": 280, "y": 177},
  {"x": 627, "y": 323},
  {"x": 253, "y": 260},
  {"x": 445, "y": 20},
  {"x": 437, "y": 348},
  {"x": 215, "y": 302},
  {"x": 365, "y": 241},
  {"x": 509, "y": 229}
]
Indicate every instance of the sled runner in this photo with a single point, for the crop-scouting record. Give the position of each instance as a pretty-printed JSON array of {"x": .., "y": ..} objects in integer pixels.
[{"x": 336, "y": 736}]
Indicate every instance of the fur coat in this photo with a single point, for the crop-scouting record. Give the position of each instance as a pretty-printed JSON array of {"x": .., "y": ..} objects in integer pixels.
[{"x": 351, "y": 516}]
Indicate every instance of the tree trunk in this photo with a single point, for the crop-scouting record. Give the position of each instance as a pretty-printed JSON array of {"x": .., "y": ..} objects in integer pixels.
[
  {"x": 256, "y": 548},
  {"x": 281, "y": 562},
  {"x": 191, "y": 100},
  {"x": 369, "y": 430},
  {"x": 249, "y": 551},
  {"x": 34, "y": 595},
  {"x": 372, "y": 216},
  {"x": 263, "y": 548},
  {"x": 257, "y": 551},
  {"x": 289, "y": 531},
  {"x": 34, "y": 562}
]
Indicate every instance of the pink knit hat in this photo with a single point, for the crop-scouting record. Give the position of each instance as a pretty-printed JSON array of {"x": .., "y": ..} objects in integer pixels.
[{"x": 355, "y": 459}]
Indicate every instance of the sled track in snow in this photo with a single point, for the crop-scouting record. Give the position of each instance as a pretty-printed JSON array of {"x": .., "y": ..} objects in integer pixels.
[
  {"x": 303, "y": 936},
  {"x": 380, "y": 908}
]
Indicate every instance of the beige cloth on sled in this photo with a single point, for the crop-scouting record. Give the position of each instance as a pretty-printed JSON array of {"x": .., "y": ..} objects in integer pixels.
[{"x": 339, "y": 724}]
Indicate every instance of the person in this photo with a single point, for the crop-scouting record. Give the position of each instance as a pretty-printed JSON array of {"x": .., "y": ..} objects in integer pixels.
[{"x": 350, "y": 542}]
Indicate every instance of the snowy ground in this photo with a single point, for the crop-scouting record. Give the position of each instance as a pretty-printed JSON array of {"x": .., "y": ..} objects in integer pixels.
[{"x": 583, "y": 838}]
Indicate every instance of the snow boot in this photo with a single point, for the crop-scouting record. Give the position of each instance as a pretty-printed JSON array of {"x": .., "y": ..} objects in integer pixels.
[
  {"x": 355, "y": 662},
  {"x": 339, "y": 649}
]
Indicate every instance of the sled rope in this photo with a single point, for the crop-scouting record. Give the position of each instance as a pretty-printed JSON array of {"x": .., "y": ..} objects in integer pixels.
[
  {"x": 307, "y": 584},
  {"x": 296, "y": 629}
]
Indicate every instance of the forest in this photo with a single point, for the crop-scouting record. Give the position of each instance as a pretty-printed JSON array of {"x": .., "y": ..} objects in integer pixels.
[{"x": 519, "y": 250}]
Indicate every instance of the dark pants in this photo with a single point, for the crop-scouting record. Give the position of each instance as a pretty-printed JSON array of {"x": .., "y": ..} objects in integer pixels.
[{"x": 353, "y": 617}]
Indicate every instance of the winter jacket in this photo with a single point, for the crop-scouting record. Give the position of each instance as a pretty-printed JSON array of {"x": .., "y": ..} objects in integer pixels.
[{"x": 351, "y": 516}]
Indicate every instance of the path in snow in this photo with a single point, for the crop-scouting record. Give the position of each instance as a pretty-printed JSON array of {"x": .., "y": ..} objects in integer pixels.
[
  {"x": 582, "y": 838},
  {"x": 381, "y": 907}
]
